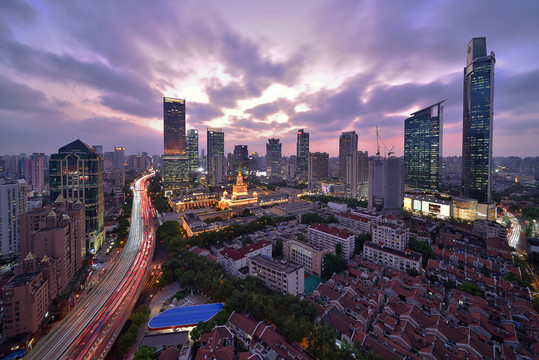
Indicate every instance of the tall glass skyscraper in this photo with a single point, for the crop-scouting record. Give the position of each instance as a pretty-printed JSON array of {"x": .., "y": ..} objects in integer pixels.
[
  {"x": 192, "y": 152},
  {"x": 174, "y": 126},
  {"x": 274, "y": 160},
  {"x": 478, "y": 121},
  {"x": 175, "y": 162},
  {"x": 302, "y": 152},
  {"x": 423, "y": 148},
  {"x": 216, "y": 155},
  {"x": 77, "y": 173},
  {"x": 347, "y": 145}
]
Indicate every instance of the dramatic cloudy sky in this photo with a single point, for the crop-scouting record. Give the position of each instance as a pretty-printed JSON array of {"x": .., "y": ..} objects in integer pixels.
[{"x": 97, "y": 70}]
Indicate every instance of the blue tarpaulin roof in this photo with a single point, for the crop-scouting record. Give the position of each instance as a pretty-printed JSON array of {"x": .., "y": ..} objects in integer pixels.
[{"x": 183, "y": 316}]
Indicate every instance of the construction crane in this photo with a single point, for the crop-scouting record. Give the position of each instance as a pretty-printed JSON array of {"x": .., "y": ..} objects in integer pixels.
[{"x": 387, "y": 151}]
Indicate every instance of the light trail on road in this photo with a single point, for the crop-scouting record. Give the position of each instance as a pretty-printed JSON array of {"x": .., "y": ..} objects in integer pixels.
[{"x": 90, "y": 329}]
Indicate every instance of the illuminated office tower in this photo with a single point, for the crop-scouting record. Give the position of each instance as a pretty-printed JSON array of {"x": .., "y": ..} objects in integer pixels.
[
  {"x": 76, "y": 173},
  {"x": 215, "y": 141},
  {"x": 174, "y": 161},
  {"x": 302, "y": 152},
  {"x": 423, "y": 148},
  {"x": 478, "y": 121},
  {"x": 118, "y": 161}
]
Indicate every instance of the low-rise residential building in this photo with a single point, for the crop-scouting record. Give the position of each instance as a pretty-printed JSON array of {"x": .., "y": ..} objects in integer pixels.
[
  {"x": 306, "y": 254},
  {"x": 284, "y": 276},
  {"x": 489, "y": 229},
  {"x": 26, "y": 299},
  {"x": 358, "y": 222},
  {"x": 322, "y": 236},
  {"x": 391, "y": 233},
  {"x": 236, "y": 261},
  {"x": 393, "y": 258}
]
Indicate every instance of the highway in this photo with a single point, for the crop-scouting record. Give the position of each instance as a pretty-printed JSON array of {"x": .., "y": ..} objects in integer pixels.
[{"x": 89, "y": 331}]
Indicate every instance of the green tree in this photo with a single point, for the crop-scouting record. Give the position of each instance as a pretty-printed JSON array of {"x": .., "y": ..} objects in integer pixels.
[
  {"x": 423, "y": 248},
  {"x": 485, "y": 271},
  {"x": 144, "y": 353},
  {"x": 470, "y": 288},
  {"x": 360, "y": 241},
  {"x": 277, "y": 251},
  {"x": 333, "y": 264}
]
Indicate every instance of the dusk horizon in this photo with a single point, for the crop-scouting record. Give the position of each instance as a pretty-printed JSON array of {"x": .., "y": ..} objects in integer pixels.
[{"x": 259, "y": 71}]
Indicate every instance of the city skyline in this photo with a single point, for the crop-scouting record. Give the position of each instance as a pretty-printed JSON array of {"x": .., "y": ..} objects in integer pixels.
[{"x": 100, "y": 79}]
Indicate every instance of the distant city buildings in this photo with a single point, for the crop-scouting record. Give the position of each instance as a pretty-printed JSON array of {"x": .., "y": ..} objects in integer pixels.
[
  {"x": 423, "y": 133},
  {"x": 35, "y": 172},
  {"x": 76, "y": 173},
  {"x": 478, "y": 121},
  {"x": 240, "y": 160}
]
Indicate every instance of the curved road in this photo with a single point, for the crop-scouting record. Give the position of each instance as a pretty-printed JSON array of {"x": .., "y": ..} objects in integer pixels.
[{"x": 91, "y": 328}]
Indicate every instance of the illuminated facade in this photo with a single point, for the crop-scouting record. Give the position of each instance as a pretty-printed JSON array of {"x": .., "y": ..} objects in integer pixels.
[
  {"x": 76, "y": 173},
  {"x": 302, "y": 152},
  {"x": 423, "y": 148},
  {"x": 174, "y": 126},
  {"x": 240, "y": 195},
  {"x": 478, "y": 121}
]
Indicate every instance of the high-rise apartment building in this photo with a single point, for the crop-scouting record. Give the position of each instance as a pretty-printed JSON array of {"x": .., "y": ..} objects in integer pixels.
[
  {"x": 274, "y": 160},
  {"x": 302, "y": 152},
  {"x": 423, "y": 148},
  {"x": 35, "y": 172},
  {"x": 478, "y": 121},
  {"x": 77, "y": 173},
  {"x": 240, "y": 160},
  {"x": 13, "y": 203},
  {"x": 192, "y": 152},
  {"x": 174, "y": 162},
  {"x": 118, "y": 161},
  {"x": 386, "y": 185},
  {"x": 216, "y": 155},
  {"x": 347, "y": 144}
]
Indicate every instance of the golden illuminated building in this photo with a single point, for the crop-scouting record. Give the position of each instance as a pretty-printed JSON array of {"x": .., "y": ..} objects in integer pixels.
[{"x": 240, "y": 195}]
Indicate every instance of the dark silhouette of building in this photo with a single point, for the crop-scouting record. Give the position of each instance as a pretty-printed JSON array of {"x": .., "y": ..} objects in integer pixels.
[
  {"x": 347, "y": 144},
  {"x": 192, "y": 152},
  {"x": 216, "y": 155},
  {"x": 274, "y": 160}
]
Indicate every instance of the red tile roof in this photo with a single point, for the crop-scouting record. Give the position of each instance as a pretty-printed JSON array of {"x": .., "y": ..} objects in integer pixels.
[
  {"x": 331, "y": 230},
  {"x": 236, "y": 255}
]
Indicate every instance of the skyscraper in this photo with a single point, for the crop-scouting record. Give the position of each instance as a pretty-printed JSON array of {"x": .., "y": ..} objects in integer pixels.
[
  {"x": 318, "y": 168},
  {"x": 347, "y": 144},
  {"x": 192, "y": 152},
  {"x": 216, "y": 155},
  {"x": 423, "y": 148},
  {"x": 302, "y": 152},
  {"x": 174, "y": 162},
  {"x": 77, "y": 173},
  {"x": 478, "y": 121},
  {"x": 174, "y": 126},
  {"x": 240, "y": 160},
  {"x": 35, "y": 172},
  {"x": 273, "y": 160}
]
